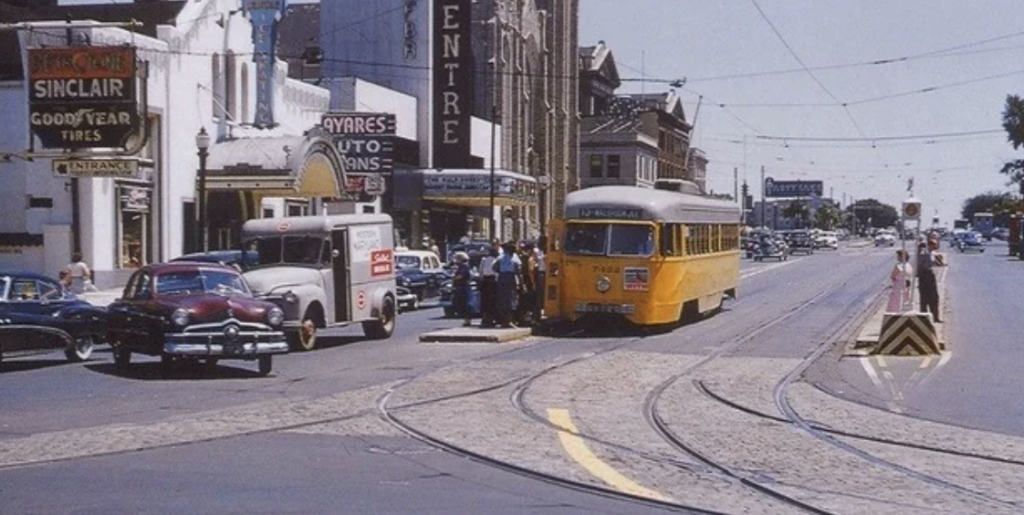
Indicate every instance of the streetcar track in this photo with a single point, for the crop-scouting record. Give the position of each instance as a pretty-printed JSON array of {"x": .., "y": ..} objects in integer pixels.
[
  {"x": 781, "y": 397},
  {"x": 703, "y": 388}
]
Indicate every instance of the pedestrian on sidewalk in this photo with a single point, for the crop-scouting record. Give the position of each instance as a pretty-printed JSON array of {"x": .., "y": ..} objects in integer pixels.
[
  {"x": 927, "y": 286},
  {"x": 508, "y": 267},
  {"x": 461, "y": 288},
  {"x": 489, "y": 287},
  {"x": 539, "y": 275},
  {"x": 79, "y": 276}
]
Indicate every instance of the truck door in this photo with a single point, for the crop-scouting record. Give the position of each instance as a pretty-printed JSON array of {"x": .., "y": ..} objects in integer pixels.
[
  {"x": 339, "y": 265},
  {"x": 553, "y": 258}
]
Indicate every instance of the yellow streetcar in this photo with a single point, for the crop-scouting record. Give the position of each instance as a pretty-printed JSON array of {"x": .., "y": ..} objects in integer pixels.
[{"x": 653, "y": 257}]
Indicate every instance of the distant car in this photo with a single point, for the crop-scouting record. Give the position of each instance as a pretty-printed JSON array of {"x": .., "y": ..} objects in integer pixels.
[
  {"x": 1001, "y": 234},
  {"x": 885, "y": 239},
  {"x": 420, "y": 271},
  {"x": 771, "y": 249},
  {"x": 239, "y": 259},
  {"x": 192, "y": 311},
  {"x": 971, "y": 242},
  {"x": 38, "y": 315},
  {"x": 828, "y": 240},
  {"x": 800, "y": 241},
  {"x": 407, "y": 300}
]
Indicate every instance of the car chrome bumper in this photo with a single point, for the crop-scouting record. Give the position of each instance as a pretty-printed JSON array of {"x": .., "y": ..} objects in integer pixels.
[{"x": 215, "y": 344}]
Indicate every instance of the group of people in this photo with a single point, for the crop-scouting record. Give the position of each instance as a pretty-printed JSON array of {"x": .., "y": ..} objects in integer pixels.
[
  {"x": 928, "y": 258},
  {"x": 511, "y": 285}
]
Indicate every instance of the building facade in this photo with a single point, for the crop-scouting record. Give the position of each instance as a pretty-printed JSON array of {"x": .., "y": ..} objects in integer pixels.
[
  {"x": 201, "y": 73},
  {"x": 481, "y": 72}
]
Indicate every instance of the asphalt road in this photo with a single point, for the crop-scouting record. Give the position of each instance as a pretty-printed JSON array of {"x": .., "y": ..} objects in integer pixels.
[
  {"x": 978, "y": 383},
  {"x": 79, "y": 438}
]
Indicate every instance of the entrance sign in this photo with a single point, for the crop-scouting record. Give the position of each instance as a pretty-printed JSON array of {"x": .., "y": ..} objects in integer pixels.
[
  {"x": 773, "y": 188},
  {"x": 96, "y": 168},
  {"x": 83, "y": 97},
  {"x": 264, "y": 15},
  {"x": 453, "y": 81},
  {"x": 364, "y": 139}
]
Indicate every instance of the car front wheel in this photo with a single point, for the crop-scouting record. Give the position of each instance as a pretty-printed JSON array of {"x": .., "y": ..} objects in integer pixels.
[
  {"x": 81, "y": 350},
  {"x": 384, "y": 327}
]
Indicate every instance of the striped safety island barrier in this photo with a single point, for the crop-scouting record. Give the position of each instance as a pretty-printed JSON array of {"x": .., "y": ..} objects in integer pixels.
[{"x": 908, "y": 334}]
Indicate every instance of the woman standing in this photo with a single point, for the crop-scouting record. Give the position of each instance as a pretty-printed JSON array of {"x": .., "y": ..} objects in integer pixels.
[
  {"x": 78, "y": 274},
  {"x": 461, "y": 288}
]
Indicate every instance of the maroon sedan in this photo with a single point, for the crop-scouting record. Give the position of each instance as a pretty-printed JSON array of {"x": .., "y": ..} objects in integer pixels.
[{"x": 194, "y": 311}]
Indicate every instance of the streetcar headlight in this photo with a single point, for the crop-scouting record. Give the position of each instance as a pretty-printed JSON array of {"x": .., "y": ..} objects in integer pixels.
[
  {"x": 275, "y": 316},
  {"x": 603, "y": 285},
  {"x": 180, "y": 317}
]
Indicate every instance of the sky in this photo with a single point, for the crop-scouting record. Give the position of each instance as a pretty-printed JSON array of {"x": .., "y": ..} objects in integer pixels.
[
  {"x": 864, "y": 130},
  {"x": 861, "y": 94}
]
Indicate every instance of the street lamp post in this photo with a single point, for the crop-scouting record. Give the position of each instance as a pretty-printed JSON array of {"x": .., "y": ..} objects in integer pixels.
[{"x": 202, "y": 234}]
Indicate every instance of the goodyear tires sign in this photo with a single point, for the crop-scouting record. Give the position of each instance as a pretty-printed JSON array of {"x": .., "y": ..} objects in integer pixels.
[{"x": 82, "y": 97}]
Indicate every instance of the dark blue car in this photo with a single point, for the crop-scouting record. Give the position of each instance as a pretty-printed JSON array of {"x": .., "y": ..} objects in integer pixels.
[
  {"x": 970, "y": 242},
  {"x": 38, "y": 315}
]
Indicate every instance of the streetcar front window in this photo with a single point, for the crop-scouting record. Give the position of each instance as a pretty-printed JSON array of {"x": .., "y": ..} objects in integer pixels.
[
  {"x": 588, "y": 239},
  {"x": 631, "y": 240}
]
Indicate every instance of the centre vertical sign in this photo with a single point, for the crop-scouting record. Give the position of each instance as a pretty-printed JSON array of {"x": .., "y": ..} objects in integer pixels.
[
  {"x": 264, "y": 15},
  {"x": 453, "y": 83}
]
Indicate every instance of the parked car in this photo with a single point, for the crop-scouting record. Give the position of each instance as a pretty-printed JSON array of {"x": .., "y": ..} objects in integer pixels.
[
  {"x": 192, "y": 311},
  {"x": 447, "y": 294},
  {"x": 239, "y": 259},
  {"x": 1001, "y": 234},
  {"x": 970, "y": 242},
  {"x": 407, "y": 300},
  {"x": 38, "y": 315},
  {"x": 420, "y": 271},
  {"x": 800, "y": 241}
]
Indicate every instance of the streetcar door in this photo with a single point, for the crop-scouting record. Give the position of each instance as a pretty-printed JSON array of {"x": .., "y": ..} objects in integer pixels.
[{"x": 553, "y": 256}]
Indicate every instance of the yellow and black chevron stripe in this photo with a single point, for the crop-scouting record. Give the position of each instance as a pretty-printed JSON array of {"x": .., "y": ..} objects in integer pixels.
[{"x": 908, "y": 334}]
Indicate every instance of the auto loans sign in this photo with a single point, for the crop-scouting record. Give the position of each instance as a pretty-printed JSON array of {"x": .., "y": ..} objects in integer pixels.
[
  {"x": 364, "y": 139},
  {"x": 82, "y": 97}
]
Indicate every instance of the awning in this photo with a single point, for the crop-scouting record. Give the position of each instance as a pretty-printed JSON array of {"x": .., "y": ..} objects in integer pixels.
[
  {"x": 470, "y": 187},
  {"x": 283, "y": 166}
]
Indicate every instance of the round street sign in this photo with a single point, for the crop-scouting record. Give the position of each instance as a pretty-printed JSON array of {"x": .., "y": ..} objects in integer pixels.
[{"x": 911, "y": 209}]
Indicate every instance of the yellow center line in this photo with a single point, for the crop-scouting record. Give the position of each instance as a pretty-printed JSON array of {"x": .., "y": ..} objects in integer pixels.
[{"x": 579, "y": 452}]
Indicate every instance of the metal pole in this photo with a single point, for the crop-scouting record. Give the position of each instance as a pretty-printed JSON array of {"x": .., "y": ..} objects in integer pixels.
[
  {"x": 202, "y": 235},
  {"x": 494, "y": 125},
  {"x": 764, "y": 223}
]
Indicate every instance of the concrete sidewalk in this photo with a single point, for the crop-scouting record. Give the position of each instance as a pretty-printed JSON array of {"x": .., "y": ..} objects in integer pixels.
[
  {"x": 476, "y": 334},
  {"x": 867, "y": 339}
]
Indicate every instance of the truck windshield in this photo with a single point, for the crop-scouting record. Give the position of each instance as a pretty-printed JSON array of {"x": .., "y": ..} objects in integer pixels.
[
  {"x": 292, "y": 250},
  {"x": 609, "y": 239}
]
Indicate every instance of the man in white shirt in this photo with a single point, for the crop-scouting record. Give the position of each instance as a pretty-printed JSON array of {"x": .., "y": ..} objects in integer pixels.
[
  {"x": 508, "y": 267},
  {"x": 488, "y": 287}
]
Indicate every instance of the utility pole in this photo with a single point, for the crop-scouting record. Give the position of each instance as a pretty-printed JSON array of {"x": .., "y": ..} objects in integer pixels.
[
  {"x": 736, "y": 184},
  {"x": 763, "y": 221}
]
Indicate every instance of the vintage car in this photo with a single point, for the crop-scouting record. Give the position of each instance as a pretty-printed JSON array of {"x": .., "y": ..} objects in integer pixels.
[
  {"x": 800, "y": 241},
  {"x": 325, "y": 271},
  {"x": 970, "y": 242},
  {"x": 38, "y": 315},
  {"x": 192, "y": 311},
  {"x": 407, "y": 300},
  {"x": 238, "y": 259},
  {"x": 885, "y": 239},
  {"x": 421, "y": 271},
  {"x": 826, "y": 240},
  {"x": 770, "y": 248}
]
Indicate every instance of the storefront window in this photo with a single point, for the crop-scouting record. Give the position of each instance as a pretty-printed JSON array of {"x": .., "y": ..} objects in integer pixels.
[{"x": 134, "y": 221}]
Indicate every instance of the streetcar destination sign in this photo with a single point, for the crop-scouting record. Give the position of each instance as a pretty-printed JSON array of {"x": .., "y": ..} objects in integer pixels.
[{"x": 83, "y": 97}]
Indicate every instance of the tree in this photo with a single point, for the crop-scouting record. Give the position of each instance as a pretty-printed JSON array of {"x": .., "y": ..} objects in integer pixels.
[
  {"x": 1001, "y": 205},
  {"x": 827, "y": 217},
  {"x": 872, "y": 213},
  {"x": 1013, "y": 123},
  {"x": 797, "y": 210}
]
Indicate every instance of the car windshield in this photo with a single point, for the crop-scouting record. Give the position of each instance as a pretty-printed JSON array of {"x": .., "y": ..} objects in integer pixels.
[
  {"x": 292, "y": 250},
  {"x": 200, "y": 281},
  {"x": 403, "y": 262},
  {"x": 589, "y": 239}
]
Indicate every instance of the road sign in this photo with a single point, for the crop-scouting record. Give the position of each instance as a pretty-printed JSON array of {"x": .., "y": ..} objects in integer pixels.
[
  {"x": 96, "y": 168},
  {"x": 912, "y": 209}
]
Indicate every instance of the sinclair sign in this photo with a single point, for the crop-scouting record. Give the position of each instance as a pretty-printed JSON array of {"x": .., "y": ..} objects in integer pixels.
[{"x": 82, "y": 97}]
